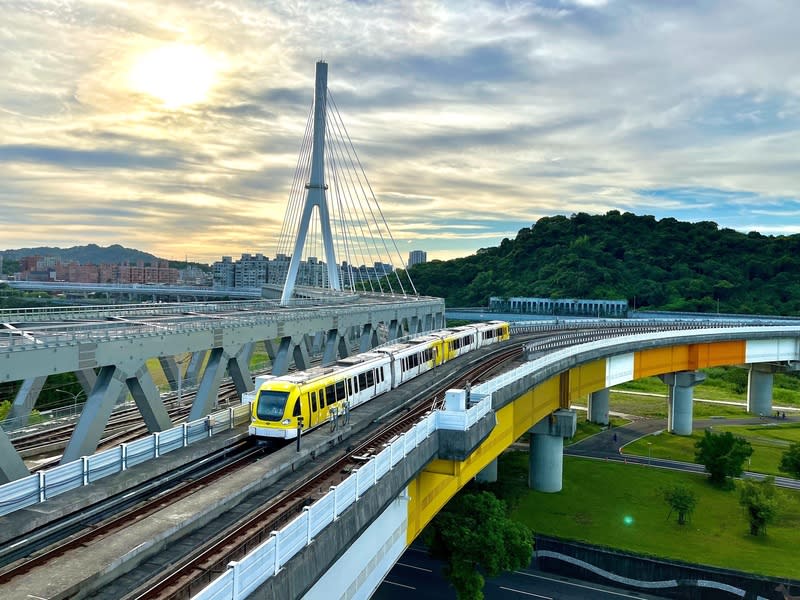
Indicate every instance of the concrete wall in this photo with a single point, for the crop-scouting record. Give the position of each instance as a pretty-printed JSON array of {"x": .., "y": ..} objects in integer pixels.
[{"x": 648, "y": 575}]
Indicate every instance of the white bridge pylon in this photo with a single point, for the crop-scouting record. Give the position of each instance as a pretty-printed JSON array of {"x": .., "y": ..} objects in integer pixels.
[
  {"x": 333, "y": 213},
  {"x": 315, "y": 195}
]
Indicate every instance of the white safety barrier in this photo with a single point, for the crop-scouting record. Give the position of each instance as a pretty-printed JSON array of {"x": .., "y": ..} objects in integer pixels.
[
  {"x": 244, "y": 576},
  {"x": 88, "y": 469}
]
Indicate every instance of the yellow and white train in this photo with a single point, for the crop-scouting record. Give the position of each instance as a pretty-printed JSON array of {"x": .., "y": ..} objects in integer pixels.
[{"x": 304, "y": 400}]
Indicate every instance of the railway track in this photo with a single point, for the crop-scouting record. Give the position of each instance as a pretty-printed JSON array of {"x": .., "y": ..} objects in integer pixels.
[
  {"x": 196, "y": 569},
  {"x": 203, "y": 565},
  {"x": 114, "y": 514}
]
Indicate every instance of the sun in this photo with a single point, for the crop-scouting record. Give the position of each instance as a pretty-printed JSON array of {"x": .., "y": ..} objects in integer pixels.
[{"x": 176, "y": 74}]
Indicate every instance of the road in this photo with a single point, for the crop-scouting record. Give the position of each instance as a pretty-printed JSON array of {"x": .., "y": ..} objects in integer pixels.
[{"x": 418, "y": 575}]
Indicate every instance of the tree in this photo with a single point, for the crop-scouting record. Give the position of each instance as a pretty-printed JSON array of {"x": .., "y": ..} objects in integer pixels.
[
  {"x": 790, "y": 461},
  {"x": 723, "y": 455},
  {"x": 681, "y": 500},
  {"x": 760, "y": 502},
  {"x": 473, "y": 534}
]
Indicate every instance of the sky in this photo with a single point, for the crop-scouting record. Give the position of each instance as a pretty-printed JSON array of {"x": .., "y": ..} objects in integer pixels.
[{"x": 175, "y": 128}]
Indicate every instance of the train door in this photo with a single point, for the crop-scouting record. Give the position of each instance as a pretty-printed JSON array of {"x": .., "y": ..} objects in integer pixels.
[{"x": 313, "y": 409}]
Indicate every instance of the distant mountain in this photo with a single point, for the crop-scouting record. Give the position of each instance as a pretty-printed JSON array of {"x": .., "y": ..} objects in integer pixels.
[{"x": 90, "y": 254}]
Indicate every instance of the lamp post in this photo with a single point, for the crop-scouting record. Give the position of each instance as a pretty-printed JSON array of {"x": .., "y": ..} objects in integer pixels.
[{"x": 74, "y": 399}]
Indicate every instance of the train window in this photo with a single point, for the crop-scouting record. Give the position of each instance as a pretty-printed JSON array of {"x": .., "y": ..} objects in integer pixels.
[
  {"x": 270, "y": 405},
  {"x": 330, "y": 397},
  {"x": 370, "y": 378},
  {"x": 313, "y": 396},
  {"x": 349, "y": 387},
  {"x": 297, "y": 411},
  {"x": 362, "y": 381},
  {"x": 340, "y": 390},
  {"x": 380, "y": 375}
]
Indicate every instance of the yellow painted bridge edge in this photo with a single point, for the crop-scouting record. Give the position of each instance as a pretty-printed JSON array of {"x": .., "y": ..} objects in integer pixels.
[{"x": 441, "y": 479}]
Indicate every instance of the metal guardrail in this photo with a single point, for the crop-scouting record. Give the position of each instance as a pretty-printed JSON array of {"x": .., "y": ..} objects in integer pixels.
[
  {"x": 244, "y": 576},
  {"x": 70, "y": 334},
  {"x": 88, "y": 469}
]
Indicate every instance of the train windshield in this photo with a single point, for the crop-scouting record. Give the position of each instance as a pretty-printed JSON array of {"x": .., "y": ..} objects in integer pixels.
[{"x": 271, "y": 404}]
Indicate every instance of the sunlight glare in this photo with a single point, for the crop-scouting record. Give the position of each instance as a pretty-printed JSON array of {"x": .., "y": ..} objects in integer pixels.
[{"x": 177, "y": 74}]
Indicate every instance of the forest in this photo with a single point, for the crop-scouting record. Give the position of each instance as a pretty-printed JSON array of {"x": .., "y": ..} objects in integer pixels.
[{"x": 655, "y": 264}]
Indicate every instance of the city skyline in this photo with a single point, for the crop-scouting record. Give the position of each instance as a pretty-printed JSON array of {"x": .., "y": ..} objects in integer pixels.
[{"x": 176, "y": 129}]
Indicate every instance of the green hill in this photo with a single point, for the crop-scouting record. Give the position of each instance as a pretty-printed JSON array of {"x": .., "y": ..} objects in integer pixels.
[
  {"x": 89, "y": 254},
  {"x": 664, "y": 264}
]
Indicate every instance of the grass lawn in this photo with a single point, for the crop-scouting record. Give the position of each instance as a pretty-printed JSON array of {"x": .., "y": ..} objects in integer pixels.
[
  {"x": 597, "y": 496},
  {"x": 769, "y": 440}
]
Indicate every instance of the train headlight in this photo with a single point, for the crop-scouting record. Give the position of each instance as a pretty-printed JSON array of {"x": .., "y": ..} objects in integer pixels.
[{"x": 285, "y": 422}]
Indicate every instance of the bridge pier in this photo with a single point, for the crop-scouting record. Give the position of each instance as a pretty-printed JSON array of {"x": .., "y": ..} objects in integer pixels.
[
  {"x": 597, "y": 407},
  {"x": 488, "y": 474},
  {"x": 546, "y": 463},
  {"x": 759, "y": 389},
  {"x": 679, "y": 403}
]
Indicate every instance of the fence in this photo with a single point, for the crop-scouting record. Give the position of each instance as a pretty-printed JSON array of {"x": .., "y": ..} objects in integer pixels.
[
  {"x": 89, "y": 469},
  {"x": 244, "y": 576}
]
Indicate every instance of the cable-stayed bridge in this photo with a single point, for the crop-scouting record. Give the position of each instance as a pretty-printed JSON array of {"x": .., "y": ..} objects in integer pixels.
[{"x": 340, "y": 281}]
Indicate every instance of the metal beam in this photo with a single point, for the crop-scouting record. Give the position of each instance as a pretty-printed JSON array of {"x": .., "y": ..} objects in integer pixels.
[
  {"x": 148, "y": 400},
  {"x": 94, "y": 417},
  {"x": 26, "y": 398}
]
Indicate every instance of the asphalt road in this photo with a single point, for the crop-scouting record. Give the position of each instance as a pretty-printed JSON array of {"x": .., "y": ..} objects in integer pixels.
[{"x": 419, "y": 576}]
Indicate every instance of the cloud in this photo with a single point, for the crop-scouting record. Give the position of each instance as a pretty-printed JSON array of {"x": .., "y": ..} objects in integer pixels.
[{"x": 471, "y": 119}]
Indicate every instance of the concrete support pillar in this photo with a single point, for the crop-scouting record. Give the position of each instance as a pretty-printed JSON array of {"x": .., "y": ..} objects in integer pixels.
[
  {"x": 170, "y": 367},
  {"x": 679, "y": 402},
  {"x": 12, "y": 466},
  {"x": 546, "y": 454},
  {"x": 395, "y": 330},
  {"x": 546, "y": 464},
  {"x": 335, "y": 347},
  {"x": 239, "y": 369},
  {"x": 148, "y": 401},
  {"x": 26, "y": 398},
  {"x": 597, "y": 407},
  {"x": 369, "y": 338},
  {"x": 759, "y": 390},
  {"x": 488, "y": 474},
  {"x": 94, "y": 417},
  {"x": 87, "y": 378},
  {"x": 206, "y": 398},
  {"x": 192, "y": 375}
]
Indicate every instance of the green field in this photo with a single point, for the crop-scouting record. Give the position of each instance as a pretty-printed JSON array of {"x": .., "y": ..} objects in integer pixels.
[
  {"x": 769, "y": 440},
  {"x": 598, "y": 496}
]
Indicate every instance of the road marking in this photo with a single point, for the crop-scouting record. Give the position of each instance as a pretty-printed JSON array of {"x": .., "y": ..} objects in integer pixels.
[
  {"x": 526, "y": 593},
  {"x": 587, "y": 587},
  {"x": 417, "y": 568},
  {"x": 408, "y": 587}
]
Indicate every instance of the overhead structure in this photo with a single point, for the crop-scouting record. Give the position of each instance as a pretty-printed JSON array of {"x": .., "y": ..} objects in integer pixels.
[{"x": 334, "y": 234}]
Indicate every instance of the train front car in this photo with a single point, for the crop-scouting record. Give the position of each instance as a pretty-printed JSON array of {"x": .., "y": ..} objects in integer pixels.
[
  {"x": 317, "y": 395},
  {"x": 275, "y": 410}
]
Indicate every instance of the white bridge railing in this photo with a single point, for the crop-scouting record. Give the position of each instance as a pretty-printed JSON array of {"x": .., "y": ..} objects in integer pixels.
[{"x": 51, "y": 482}]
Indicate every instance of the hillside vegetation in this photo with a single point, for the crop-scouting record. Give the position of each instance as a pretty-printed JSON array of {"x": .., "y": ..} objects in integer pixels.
[{"x": 658, "y": 264}]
